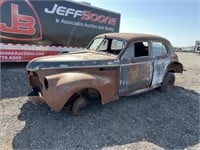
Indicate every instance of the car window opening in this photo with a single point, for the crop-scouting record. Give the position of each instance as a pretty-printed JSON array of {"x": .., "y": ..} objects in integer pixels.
[
  {"x": 159, "y": 49},
  {"x": 141, "y": 49},
  {"x": 107, "y": 45}
]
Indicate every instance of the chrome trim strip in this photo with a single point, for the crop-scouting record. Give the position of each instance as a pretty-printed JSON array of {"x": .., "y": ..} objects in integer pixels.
[
  {"x": 130, "y": 64},
  {"x": 74, "y": 67}
]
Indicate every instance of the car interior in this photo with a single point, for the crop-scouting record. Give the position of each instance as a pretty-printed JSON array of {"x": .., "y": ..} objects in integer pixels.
[{"x": 141, "y": 49}]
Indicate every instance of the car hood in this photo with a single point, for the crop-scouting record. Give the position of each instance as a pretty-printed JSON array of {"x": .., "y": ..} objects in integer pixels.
[{"x": 72, "y": 60}]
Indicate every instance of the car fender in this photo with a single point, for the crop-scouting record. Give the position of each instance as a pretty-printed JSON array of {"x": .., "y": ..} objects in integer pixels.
[
  {"x": 60, "y": 87},
  {"x": 175, "y": 67}
]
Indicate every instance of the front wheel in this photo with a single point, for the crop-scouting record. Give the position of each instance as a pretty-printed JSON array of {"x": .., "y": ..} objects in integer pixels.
[
  {"x": 168, "y": 82},
  {"x": 78, "y": 106}
]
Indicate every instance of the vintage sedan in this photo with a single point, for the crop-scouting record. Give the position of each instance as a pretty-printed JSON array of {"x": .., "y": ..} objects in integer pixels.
[{"x": 113, "y": 65}]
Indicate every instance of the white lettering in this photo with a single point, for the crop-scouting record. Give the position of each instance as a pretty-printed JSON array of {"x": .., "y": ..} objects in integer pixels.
[
  {"x": 69, "y": 11},
  {"x": 61, "y": 10},
  {"x": 51, "y": 11},
  {"x": 85, "y": 15},
  {"x": 78, "y": 13}
]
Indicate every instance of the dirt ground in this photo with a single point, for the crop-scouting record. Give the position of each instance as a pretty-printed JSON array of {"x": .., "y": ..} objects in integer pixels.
[{"x": 152, "y": 120}]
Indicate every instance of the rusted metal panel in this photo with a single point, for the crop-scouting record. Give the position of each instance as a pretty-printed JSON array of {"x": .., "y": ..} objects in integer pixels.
[
  {"x": 135, "y": 75},
  {"x": 175, "y": 67},
  {"x": 63, "y": 83},
  {"x": 160, "y": 68},
  {"x": 130, "y": 37},
  {"x": 74, "y": 60}
]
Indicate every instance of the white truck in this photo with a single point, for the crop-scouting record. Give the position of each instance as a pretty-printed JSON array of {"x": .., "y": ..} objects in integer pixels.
[{"x": 197, "y": 47}]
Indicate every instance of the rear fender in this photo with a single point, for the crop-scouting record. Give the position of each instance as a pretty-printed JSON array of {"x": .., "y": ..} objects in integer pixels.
[
  {"x": 60, "y": 87},
  {"x": 175, "y": 67}
]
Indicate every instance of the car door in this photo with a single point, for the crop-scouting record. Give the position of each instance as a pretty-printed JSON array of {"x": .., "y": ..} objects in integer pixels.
[
  {"x": 161, "y": 60},
  {"x": 135, "y": 68}
]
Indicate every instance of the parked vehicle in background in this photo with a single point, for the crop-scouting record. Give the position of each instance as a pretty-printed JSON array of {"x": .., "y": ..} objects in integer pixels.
[
  {"x": 197, "y": 47},
  {"x": 113, "y": 65},
  {"x": 34, "y": 28}
]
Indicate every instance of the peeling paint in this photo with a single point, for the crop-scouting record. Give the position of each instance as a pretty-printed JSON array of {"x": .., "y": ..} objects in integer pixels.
[
  {"x": 59, "y": 77},
  {"x": 160, "y": 68}
]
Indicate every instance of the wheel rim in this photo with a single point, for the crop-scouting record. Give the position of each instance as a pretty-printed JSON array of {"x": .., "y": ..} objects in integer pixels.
[{"x": 79, "y": 105}]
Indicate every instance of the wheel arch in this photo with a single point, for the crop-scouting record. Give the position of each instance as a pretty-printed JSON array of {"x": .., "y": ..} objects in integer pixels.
[
  {"x": 175, "y": 67},
  {"x": 62, "y": 87},
  {"x": 88, "y": 92}
]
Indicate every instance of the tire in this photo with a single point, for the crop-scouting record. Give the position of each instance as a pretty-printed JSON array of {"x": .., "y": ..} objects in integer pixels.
[
  {"x": 36, "y": 89},
  {"x": 168, "y": 82},
  {"x": 33, "y": 93},
  {"x": 78, "y": 106}
]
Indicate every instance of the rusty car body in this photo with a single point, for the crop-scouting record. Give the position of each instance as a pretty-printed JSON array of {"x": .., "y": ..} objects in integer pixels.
[{"x": 113, "y": 65}]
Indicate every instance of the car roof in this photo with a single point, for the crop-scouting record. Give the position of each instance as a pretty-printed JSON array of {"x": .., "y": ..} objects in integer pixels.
[{"x": 129, "y": 37}]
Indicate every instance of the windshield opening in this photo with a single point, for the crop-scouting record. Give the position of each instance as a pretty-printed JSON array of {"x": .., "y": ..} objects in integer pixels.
[{"x": 107, "y": 45}]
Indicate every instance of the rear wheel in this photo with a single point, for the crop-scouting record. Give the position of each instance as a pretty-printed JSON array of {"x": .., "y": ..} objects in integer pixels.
[
  {"x": 168, "y": 82},
  {"x": 78, "y": 106}
]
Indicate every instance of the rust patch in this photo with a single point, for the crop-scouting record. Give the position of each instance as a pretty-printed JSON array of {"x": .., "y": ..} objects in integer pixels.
[
  {"x": 64, "y": 83},
  {"x": 61, "y": 77},
  {"x": 175, "y": 67}
]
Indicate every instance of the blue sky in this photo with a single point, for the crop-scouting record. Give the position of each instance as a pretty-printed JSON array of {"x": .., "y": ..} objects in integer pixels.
[{"x": 177, "y": 20}]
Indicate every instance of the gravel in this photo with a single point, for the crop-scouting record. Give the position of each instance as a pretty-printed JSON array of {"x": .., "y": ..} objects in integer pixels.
[
  {"x": 152, "y": 120},
  {"x": 13, "y": 80}
]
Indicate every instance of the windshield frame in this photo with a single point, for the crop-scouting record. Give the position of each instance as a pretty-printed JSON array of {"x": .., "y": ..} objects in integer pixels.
[{"x": 113, "y": 38}]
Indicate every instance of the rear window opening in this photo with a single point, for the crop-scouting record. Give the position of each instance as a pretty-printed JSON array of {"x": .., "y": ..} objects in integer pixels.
[{"x": 141, "y": 49}]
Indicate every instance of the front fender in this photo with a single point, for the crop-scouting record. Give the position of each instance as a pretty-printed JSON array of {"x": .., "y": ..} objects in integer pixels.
[{"x": 60, "y": 87}]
